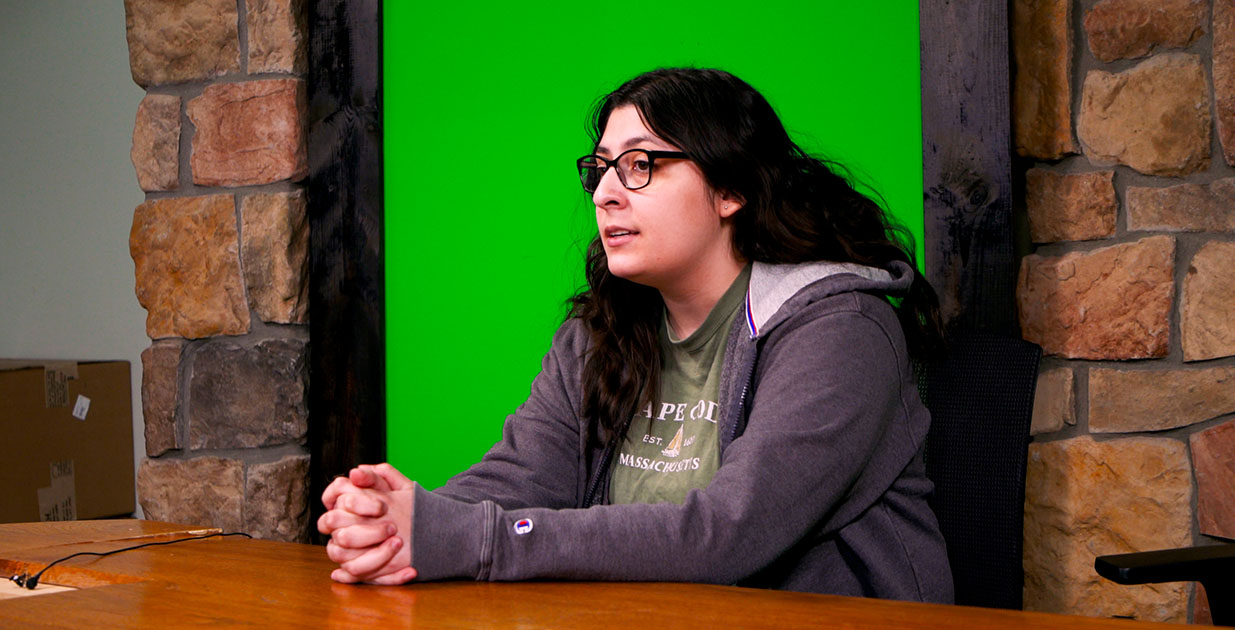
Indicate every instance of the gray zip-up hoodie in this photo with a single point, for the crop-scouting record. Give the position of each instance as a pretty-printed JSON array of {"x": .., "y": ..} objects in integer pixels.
[{"x": 821, "y": 485}]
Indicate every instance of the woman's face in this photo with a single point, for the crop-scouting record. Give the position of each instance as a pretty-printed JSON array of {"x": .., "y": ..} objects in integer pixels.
[{"x": 670, "y": 234}]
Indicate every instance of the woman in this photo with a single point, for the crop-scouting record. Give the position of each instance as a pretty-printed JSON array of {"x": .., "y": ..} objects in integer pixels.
[{"x": 730, "y": 401}]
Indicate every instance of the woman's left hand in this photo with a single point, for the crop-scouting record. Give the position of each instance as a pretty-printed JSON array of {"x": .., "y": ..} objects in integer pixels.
[{"x": 370, "y": 527}]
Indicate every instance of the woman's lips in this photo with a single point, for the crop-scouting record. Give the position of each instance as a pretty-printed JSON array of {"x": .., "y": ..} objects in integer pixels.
[{"x": 616, "y": 236}]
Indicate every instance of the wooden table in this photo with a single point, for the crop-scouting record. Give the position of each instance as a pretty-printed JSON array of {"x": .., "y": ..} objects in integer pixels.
[{"x": 239, "y": 583}]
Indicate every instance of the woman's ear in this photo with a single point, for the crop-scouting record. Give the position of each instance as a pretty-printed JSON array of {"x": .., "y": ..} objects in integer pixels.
[{"x": 728, "y": 203}]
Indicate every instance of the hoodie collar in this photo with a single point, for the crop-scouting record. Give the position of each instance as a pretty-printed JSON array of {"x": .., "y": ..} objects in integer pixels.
[{"x": 772, "y": 286}]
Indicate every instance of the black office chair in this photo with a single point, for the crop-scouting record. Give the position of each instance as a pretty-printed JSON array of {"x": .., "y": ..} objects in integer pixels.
[
  {"x": 1212, "y": 566},
  {"x": 981, "y": 401}
]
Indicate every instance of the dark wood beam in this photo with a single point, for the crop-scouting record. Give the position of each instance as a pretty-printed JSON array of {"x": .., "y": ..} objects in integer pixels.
[
  {"x": 347, "y": 396},
  {"x": 967, "y": 162}
]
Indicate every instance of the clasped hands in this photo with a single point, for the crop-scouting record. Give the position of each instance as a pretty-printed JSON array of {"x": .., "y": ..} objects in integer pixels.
[{"x": 369, "y": 520}]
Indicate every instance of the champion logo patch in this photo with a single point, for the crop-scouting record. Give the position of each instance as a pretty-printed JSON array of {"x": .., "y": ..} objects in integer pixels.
[{"x": 523, "y": 526}]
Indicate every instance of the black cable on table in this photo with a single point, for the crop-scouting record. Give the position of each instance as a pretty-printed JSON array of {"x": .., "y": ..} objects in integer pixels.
[{"x": 30, "y": 581}]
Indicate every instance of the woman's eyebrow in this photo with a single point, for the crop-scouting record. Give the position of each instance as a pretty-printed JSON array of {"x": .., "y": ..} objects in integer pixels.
[{"x": 630, "y": 143}]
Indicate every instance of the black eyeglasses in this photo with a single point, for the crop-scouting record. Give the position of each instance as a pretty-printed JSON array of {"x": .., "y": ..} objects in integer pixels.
[{"x": 634, "y": 167}]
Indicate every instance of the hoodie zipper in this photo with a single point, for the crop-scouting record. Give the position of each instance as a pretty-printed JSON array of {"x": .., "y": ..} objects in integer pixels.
[
  {"x": 738, "y": 419},
  {"x": 590, "y": 496}
]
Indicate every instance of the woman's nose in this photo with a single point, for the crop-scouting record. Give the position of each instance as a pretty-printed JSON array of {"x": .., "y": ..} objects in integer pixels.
[{"x": 609, "y": 190}]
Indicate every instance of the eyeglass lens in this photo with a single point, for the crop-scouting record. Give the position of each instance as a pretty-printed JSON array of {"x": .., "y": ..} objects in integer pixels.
[{"x": 634, "y": 170}]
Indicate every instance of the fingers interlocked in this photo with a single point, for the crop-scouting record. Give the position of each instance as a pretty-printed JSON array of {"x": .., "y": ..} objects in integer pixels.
[{"x": 367, "y": 535}]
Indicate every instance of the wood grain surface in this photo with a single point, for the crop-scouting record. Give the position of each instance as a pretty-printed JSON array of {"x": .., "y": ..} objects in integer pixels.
[
  {"x": 240, "y": 583},
  {"x": 971, "y": 256},
  {"x": 347, "y": 321}
]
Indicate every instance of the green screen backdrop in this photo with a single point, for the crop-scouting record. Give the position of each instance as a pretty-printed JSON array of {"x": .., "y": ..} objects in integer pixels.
[{"x": 486, "y": 106}]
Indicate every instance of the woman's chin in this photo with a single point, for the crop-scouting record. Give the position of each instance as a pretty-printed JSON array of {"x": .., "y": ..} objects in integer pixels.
[{"x": 626, "y": 271}]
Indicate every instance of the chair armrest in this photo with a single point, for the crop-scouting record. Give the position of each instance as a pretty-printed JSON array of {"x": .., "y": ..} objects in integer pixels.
[{"x": 1189, "y": 564}]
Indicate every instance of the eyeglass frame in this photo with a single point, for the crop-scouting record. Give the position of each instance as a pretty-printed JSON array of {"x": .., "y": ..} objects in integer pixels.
[{"x": 652, "y": 154}]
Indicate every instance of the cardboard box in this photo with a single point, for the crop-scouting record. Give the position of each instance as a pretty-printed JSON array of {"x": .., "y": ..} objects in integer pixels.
[{"x": 66, "y": 440}]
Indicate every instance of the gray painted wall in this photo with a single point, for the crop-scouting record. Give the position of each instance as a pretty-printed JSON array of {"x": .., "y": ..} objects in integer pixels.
[{"x": 67, "y": 187}]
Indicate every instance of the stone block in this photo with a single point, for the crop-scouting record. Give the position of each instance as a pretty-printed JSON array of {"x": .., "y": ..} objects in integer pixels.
[
  {"x": 249, "y": 133},
  {"x": 1123, "y": 401},
  {"x": 1084, "y": 499},
  {"x": 275, "y": 252},
  {"x": 206, "y": 491},
  {"x": 1125, "y": 29},
  {"x": 1213, "y": 456},
  {"x": 277, "y": 499},
  {"x": 278, "y": 36},
  {"x": 178, "y": 40},
  {"x": 246, "y": 397},
  {"x": 188, "y": 267},
  {"x": 156, "y": 142},
  {"x": 1153, "y": 117},
  {"x": 1224, "y": 75},
  {"x": 1201, "y": 614},
  {"x": 1070, "y": 206},
  {"x": 1207, "y": 307},
  {"x": 1183, "y": 208},
  {"x": 1054, "y": 401},
  {"x": 1042, "y": 88},
  {"x": 1109, "y": 303},
  {"x": 161, "y": 395}
]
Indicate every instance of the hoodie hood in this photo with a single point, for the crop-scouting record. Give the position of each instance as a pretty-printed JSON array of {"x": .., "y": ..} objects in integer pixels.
[{"x": 776, "y": 291}]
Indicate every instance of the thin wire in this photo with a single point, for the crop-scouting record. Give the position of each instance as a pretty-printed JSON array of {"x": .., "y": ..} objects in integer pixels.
[{"x": 32, "y": 581}]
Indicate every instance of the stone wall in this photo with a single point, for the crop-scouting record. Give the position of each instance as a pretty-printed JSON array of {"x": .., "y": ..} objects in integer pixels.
[
  {"x": 220, "y": 248},
  {"x": 1124, "y": 117}
]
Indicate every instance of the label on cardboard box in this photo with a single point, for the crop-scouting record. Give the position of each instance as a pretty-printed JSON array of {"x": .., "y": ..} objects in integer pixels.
[
  {"x": 58, "y": 502},
  {"x": 55, "y": 383},
  {"x": 81, "y": 407}
]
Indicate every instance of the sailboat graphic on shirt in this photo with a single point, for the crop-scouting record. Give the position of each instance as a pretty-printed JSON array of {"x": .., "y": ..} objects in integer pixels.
[{"x": 675, "y": 445}]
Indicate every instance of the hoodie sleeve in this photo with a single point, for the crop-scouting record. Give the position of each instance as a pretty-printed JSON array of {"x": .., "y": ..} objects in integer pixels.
[
  {"x": 539, "y": 460},
  {"x": 827, "y": 433}
]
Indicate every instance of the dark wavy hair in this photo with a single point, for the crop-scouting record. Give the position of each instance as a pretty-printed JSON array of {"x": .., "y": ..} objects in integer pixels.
[{"x": 797, "y": 209}]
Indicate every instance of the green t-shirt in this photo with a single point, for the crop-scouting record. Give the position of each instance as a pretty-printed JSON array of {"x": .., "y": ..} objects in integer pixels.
[{"x": 673, "y": 445}]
